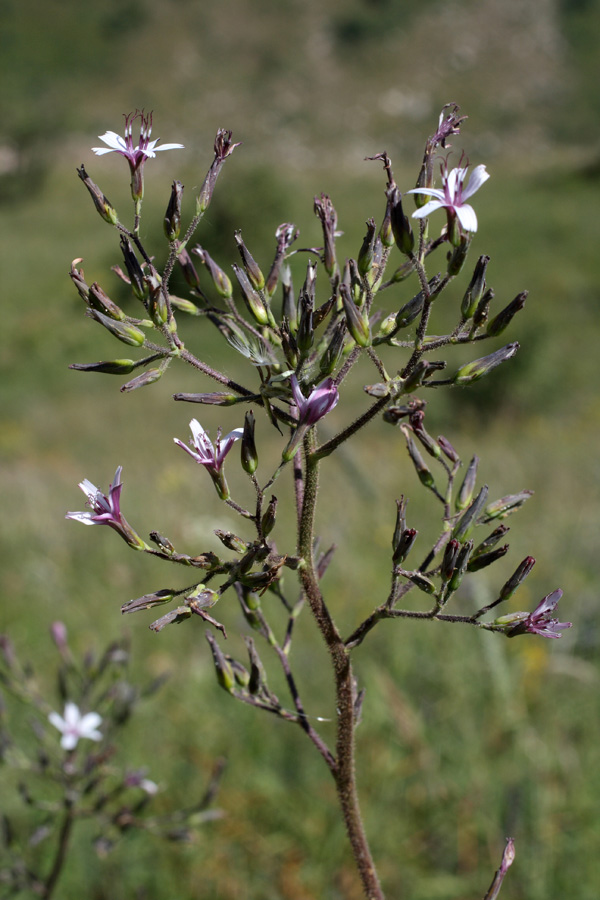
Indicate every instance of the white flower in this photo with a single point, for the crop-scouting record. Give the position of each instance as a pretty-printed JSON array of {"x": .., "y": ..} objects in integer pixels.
[
  {"x": 453, "y": 195},
  {"x": 74, "y": 726},
  {"x": 145, "y": 148}
]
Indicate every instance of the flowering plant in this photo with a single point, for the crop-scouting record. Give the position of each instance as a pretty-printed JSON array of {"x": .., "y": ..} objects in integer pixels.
[{"x": 300, "y": 351}]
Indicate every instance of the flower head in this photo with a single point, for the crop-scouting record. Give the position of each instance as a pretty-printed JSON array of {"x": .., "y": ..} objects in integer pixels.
[
  {"x": 74, "y": 726},
  {"x": 107, "y": 510},
  {"x": 453, "y": 195},
  {"x": 135, "y": 156},
  {"x": 209, "y": 456},
  {"x": 320, "y": 401},
  {"x": 540, "y": 621}
]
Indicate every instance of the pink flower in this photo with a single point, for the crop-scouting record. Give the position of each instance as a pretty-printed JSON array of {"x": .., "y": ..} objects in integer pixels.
[
  {"x": 539, "y": 621},
  {"x": 453, "y": 195},
  {"x": 135, "y": 156},
  {"x": 74, "y": 726},
  {"x": 209, "y": 456},
  {"x": 107, "y": 510},
  {"x": 320, "y": 401}
]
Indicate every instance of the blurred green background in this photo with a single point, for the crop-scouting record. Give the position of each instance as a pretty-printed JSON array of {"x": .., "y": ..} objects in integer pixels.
[{"x": 466, "y": 738}]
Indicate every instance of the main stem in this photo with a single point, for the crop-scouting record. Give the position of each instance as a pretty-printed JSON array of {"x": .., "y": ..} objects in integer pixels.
[{"x": 343, "y": 769}]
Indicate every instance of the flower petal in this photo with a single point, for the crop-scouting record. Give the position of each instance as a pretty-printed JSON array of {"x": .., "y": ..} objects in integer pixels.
[
  {"x": 466, "y": 216},
  {"x": 478, "y": 177},
  {"x": 429, "y": 208}
]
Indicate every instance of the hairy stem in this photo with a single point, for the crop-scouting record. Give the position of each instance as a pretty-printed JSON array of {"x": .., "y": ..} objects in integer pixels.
[{"x": 344, "y": 770}]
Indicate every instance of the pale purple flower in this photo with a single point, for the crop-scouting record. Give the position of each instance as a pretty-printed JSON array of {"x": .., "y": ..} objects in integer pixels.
[
  {"x": 137, "y": 155},
  {"x": 320, "y": 401},
  {"x": 209, "y": 456},
  {"x": 540, "y": 621},
  {"x": 74, "y": 726},
  {"x": 453, "y": 195},
  {"x": 106, "y": 510}
]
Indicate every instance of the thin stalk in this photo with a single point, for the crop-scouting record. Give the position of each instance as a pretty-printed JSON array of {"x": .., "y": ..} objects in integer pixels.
[
  {"x": 61, "y": 852},
  {"x": 344, "y": 769}
]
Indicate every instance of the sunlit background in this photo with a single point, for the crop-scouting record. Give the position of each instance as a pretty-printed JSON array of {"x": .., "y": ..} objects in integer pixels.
[{"x": 466, "y": 738}]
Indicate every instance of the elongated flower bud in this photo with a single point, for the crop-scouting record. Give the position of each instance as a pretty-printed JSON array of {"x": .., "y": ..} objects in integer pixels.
[
  {"x": 467, "y": 488},
  {"x": 146, "y": 378},
  {"x": 422, "y": 470},
  {"x": 110, "y": 367},
  {"x": 257, "y": 279},
  {"x": 102, "y": 203},
  {"x": 358, "y": 323},
  {"x": 223, "y": 148},
  {"x": 129, "y": 334},
  {"x": 286, "y": 234},
  {"x": 459, "y": 254},
  {"x": 172, "y": 219},
  {"x": 502, "y": 508},
  {"x": 188, "y": 268},
  {"x": 475, "y": 370},
  {"x": 468, "y": 520},
  {"x": 249, "y": 456},
  {"x": 482, "y": 560},
  {"x": 134, "y": 270},
  {"x": 223, "y": 668},
  {"x": 517, "y": 578},
  {"x": 474, "y": 292},
  {"x": 491, "y": 540},
  {"x": 157, "y": 306},
  {"x": 404, "y": 545},
  {"x": 333, "y": 353},
  {"x": 400, "y": 526},
  {"x": 325, "y": 210},
  {"x": 500, "y": 322},
  {"x": 416, "y": 421},
  {"x": 460, "y": 566},
  {"x": 219, "y": 278},
  {"x": 99, "y": 299},
  {"x": 449, "y": 560},
  {"x": 365, "y": 254},
  {"x": 268, "y": 520},
  {"x": 480, "y": 316},
  {"x": 253, "y": 300},
  {"x": 403, "y": 233}
]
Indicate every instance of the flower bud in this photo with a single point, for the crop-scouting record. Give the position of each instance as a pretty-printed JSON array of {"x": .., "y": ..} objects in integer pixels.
[
  {"x": 257, "y": 279},
  {"x": 491, "y": 540},
  {"x": 146, "y": 378},
  {"x": 76, "y": 276},
  {"x": 184, "y": 305},
  {"x": 415, "y": 378},
  {"x": 305, "y": 334},
  {"x": 288, "y": 309},
  {"x": 475, "y": 370},
  {"x": 172, "y": 219},
  {"x": 157, "y": 306},
  {"x": 102, "y": 203},
  {"x": 400, "y": 526},
  {"x": 465, "y": 494},
  {"x": 134, "y": 270},
  {"x": 231, "y": 541},
  {"x": 404, "y": 545},
  {"x": 333, "y": 353},
  {"x": 449, "y": 560},
  {"x": 99, "y": 299},
  {"x": 223, "y": 668},
  {"x": 502, "y": 508},
  {"x": 386, "y": 233},
  {"x": 403, "y": 234},
  {"x": 480, "y": 316},
  {"x": 268, "y": 520},
  {"x": 500, "y": 322},
  {"x": 325, "y": 210},
  {"x": 358, "y": 323},
  {"x": 474, "y": 292},
  {"x": 456, "y": 259},
  {"x": 215, "y": 398},
  {"x": 517, "y": 578},
  {"x": 249, "y": 456},
  {"x": 468, "y": 520},
  {"x": 148, "y": 601},
  {"x": 110, "y": 367},
  {"x": 253, "y": 300},
  {"x": 425, "y": 476},
  {"x": 129, "y": 334},
  {"x": 416, "y": 422},
  {"x": 220, "y": 280},
  {"x": 223, "y": 148},
  {"x": 447, "y": 449},
  {"x": 365, "y": 254},
  {"x": 422, "y": 582},
  {"x": 188, "y": 268},
  {"x": 286, "y": 234},
  {"x": 486, "y": 559},
  {"x": 460, "y": 566}
]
